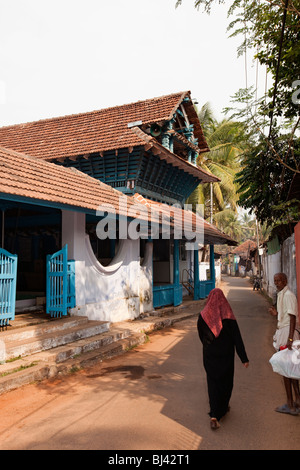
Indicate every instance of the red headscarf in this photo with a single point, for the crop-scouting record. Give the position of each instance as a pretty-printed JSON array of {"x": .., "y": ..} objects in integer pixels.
[{"x": 216, "y": 309}]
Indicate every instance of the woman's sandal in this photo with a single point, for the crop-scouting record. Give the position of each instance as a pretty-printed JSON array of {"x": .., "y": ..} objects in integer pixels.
[{"x": 214, "y": 424}]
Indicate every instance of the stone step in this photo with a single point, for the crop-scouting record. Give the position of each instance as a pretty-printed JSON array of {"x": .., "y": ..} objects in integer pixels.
[
  {"x": 65, "y": 359},
  {"x": 52, "y": 336},
  {"x": 84, "y": 345},
  {"x": 41, "y": 328},
  {"x": 81, "y": 351}
]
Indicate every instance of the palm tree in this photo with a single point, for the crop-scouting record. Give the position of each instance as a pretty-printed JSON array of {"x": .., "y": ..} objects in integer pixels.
[
  {"x": 248, "y": 225},
  {"x": 252, "y": 229},
  {"x": 227, "y": 221},
  {"x": 226, "y": 142}
]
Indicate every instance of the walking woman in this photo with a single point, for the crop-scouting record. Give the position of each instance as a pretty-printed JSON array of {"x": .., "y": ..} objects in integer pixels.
[{"x": 220, "y": 335}]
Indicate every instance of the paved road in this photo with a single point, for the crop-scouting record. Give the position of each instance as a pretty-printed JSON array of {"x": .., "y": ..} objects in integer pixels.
[{"x": 154, "y": 397}]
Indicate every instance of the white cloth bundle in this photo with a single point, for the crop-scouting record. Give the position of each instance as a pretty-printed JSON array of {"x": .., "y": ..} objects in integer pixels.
[{"x": 287, "y": 361}]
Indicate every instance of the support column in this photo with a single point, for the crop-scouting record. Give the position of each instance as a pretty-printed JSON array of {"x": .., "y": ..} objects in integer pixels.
[
  {"x": 166, "y": 137},
  {"x": 196, "y": 275},
  {"x": 212, "y": 266},
  {"x": 146, "y": 287},
  {"x": 2, "y": 228},
  {"x": 176, "y": 279},
  {"x": 73, "y": 234}
]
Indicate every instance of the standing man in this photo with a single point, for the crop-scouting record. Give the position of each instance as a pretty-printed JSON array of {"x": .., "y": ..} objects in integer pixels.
[{"x": 286, "y": 332}]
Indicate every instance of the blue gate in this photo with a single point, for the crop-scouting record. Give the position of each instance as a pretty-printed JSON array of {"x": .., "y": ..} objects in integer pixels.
[
  {"x": 8, "y": 283},
  {"x": 60, "y": 283}
]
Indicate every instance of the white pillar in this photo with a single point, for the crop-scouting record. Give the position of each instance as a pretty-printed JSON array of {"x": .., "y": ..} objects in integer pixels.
[{"x": 73, "y": 234}]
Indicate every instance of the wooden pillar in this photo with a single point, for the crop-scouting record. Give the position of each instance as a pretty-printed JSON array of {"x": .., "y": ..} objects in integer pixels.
[
  {"x": 73, "y": 235},
  {"x": 177, "y": 287},
  {"x": 212, "y": 266},
  {"x": 166, "y": 140},
  {"x": 2, "y": 228},
  {"x": 196, "y": 275}
]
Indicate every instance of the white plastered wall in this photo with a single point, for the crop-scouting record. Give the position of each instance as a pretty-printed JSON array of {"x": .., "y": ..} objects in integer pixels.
[{"x": 117, "y": 292}]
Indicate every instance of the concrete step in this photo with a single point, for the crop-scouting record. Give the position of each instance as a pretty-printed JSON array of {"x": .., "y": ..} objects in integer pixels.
[
  {"x": 68, "y": 357},
  {"x": 84, "y": 345},
  {"x": 43, "y": 337},
  {"x": 40, "y": 328},
  {"x": 80, "y": 350},
  {"x": 65, "y": 359}
]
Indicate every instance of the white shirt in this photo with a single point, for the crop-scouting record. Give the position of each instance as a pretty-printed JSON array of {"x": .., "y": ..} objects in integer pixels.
[{"x": 286, "y": 305}]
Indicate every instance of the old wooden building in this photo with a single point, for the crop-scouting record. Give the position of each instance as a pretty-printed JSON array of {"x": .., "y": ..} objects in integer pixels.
[{"x": 93, "y": 217}]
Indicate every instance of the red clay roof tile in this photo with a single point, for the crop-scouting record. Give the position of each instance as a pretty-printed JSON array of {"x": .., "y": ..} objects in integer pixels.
[
  {"x": 33, "y": 178},
  {"x": 95, "y": 131},
  {"x": 191, "y": 222}
]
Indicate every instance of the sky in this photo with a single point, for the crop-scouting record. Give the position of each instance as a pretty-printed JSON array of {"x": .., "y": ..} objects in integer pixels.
[{"x": 69, "y": 56}]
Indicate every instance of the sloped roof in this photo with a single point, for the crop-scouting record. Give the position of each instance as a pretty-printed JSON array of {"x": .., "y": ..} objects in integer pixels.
[
  {"x": 36, "y": 180},
  {"x": 32, "y": 178},
  {"x": 96, "y": 131},
  {"x": 191, "y": 222},
  {"x": 245, "y": 248}
]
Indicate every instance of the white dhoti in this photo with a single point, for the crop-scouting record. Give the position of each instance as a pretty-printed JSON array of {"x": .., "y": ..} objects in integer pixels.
[{"x": 281, "y": 337}]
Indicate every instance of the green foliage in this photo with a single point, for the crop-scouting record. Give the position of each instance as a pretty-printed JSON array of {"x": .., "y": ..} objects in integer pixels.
[
  {"x": 227, "y": 221},
  {"x": 264, "y": 183},
  {"x": 226, "y": 142},
  {"x": 288, "y": 212},
  {"x": 272, "y": 159},
  {"x": 207, "y": 4},
  {"x": 273, "y": 32}
]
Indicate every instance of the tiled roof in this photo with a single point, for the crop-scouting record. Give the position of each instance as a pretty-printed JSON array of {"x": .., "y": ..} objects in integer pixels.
[
  {"x": 29, "y": 177},
  {"x": 245, "y": 248},
  {"x": 95, "y": 131},
  {"x": 191, "y": 222}
]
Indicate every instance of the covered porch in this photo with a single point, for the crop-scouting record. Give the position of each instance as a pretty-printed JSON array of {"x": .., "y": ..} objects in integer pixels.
[
  {"x": 43, "y": 211},
  {"x": 185, "y": 274},
  {"x": 176, "y": 253}
]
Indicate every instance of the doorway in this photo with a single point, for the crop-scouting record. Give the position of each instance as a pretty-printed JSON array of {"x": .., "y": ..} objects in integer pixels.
[{"x": 31, "y": 232}]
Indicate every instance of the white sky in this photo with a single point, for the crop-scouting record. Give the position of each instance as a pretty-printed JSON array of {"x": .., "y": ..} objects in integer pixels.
[{"x": 62, "y": 57}]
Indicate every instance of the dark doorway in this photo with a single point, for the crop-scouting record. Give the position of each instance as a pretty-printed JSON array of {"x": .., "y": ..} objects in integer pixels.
[{"x": 31, "y": 232}]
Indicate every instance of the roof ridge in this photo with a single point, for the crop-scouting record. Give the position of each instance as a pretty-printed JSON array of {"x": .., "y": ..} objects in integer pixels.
[{"x": 56, "y": 118}]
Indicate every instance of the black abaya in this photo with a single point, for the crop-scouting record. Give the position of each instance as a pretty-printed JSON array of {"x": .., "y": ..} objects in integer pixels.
[{"x": 218, "y": 360}]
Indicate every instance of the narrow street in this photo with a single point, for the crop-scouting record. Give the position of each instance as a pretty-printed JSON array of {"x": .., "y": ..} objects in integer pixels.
[{"x": 154, "y": 397}]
